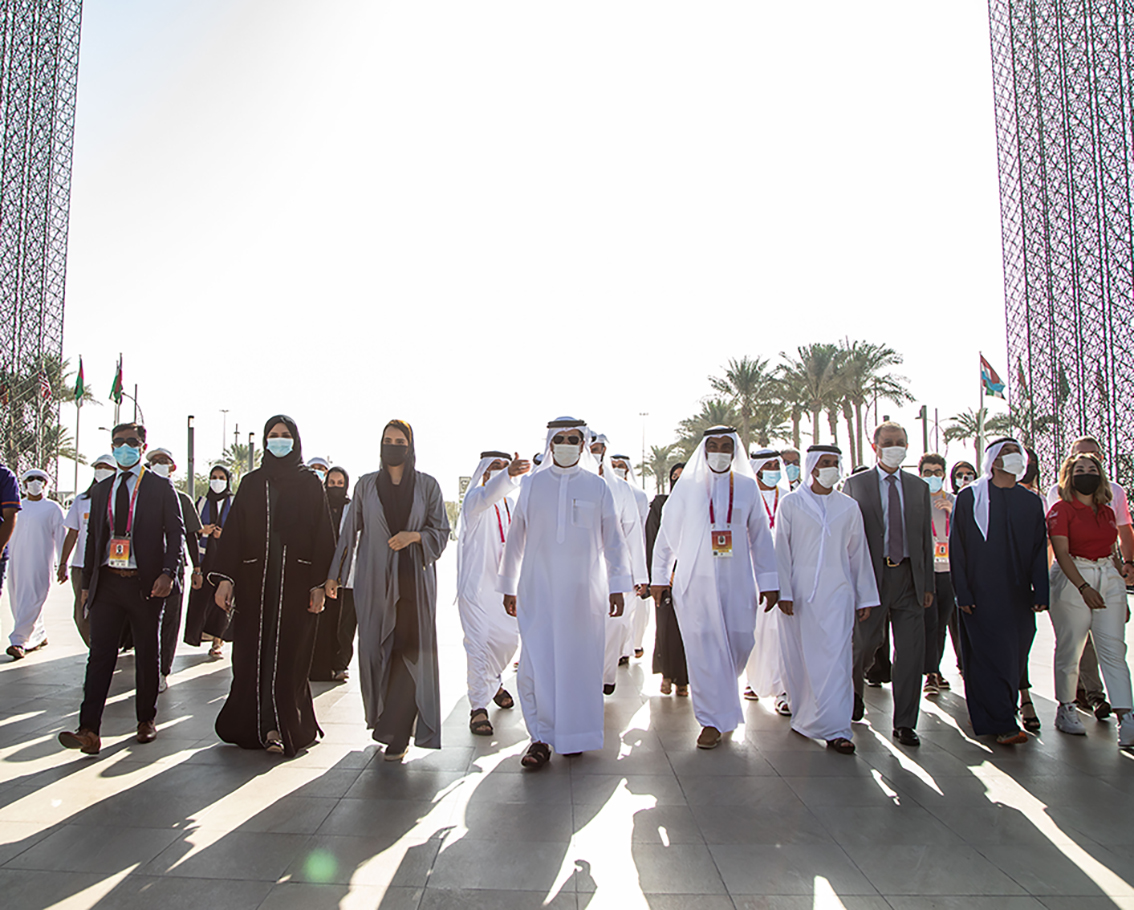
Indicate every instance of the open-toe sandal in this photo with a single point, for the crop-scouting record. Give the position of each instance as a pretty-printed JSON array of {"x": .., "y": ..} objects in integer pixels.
[
  {"x": 479, "y": 723},
  {"x": 1028, "y": 718},
  {"x": 538, "y": 755},
  {"x": 841, "y": 745},
  {"x": 503, "y": 699}
]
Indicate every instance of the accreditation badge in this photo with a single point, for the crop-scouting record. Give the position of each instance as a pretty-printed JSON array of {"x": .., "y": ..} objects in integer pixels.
[
  {"x": 722, "y": 543},
  {"x": 941, "y": 549},
  {"x": 119, "y": 553}
]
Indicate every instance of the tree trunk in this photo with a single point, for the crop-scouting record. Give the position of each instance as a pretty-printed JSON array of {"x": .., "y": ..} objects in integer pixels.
[
  {"x": 796, "y": 417},
  {"x": 858, "y": 425},
  {"x": 850, "y": 434},
  {"x": 815, "y": 426}
]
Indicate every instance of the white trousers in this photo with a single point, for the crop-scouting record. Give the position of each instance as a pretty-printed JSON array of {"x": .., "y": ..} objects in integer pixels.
[{"x": 1073, "y": 619}]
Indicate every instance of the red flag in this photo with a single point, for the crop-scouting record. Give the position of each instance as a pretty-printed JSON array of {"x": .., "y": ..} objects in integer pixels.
[{"x": 44, "y": 385}]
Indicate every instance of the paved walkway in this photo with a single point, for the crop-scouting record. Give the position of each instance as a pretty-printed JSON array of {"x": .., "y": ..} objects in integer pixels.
[{"x": 769, "y": 820}]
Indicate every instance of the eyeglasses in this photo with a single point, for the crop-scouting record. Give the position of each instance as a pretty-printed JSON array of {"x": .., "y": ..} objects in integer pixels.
[
  {"x": 132, "y": 441},
  {"x": 966, "y": 478},
  {"x": 570, "y": 440}
]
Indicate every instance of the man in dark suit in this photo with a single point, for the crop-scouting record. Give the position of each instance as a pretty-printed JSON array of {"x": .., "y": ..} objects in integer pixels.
[
  {"x": 896, "y": 512},
  {"x": 133, "y": 553}
]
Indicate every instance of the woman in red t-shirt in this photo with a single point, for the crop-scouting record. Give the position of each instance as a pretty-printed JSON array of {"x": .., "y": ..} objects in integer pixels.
[{"x": 1087, "y": 592}]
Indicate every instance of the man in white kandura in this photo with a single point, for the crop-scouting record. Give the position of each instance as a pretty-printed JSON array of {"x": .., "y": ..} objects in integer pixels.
[
  {"x": 826, "y": 578},
  {"x": 33, "y": 554},
  {"x": 619, "y": 629},
  {"x": 764, "y": 676},
  {"x": 714, "y": 532},
  {"x": 491, "y": 635},
  {"x": 565, "y": 566},
  {"x": 643, "y": 605}
]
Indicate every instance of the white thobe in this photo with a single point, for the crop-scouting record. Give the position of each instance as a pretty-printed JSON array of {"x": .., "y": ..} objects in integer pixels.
[
  {"x": 565, "y": 555},
  {"x": 764, "y": 675},
  {"x": 715, "y": 598},
  {"x": 643, "y": 609},
  {"x": 36, "y": 544},
  {"x": 491, "y": 635},
  {"x": 619, "y": 629},
  {"x": 827, "y": 576}
]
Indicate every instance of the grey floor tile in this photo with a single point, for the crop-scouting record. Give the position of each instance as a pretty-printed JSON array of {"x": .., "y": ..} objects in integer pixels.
[
  {"x": 844, "y": 791},
  {"x": 821, "y": 763},
  {"x": 515, "y": 821},
  {"x": 286, "y": 815},
  {"x": 963, "y": 902},
  {"x": 742, "y": 825},
  {"x": 734, "y": 760},
  {"x": 822, "y": 899},
  {"x": 383, "y": 781},
  {"x": 384, "y": 819},
  {"x": 249, "y": 856},
  {"x": 788, "y": 869},
  {"x": 677, "y": 869},
  {"x": 1046, "y": 870},
  {"x": 767, "y": 794},
  {"x": 660, "y": 825},
  {"x": 905, "y": 823},
  {"x": 443, "y": 899},
  {"x": 326, "y": 859},
  {"x": 930, "y": 870},
  {"x": 145, "y": 892},
  {"x": 598, "y": 788},
  {"x": 306, "y": 896},
  {"x": 499, "y": 865},
  {"x": 100, "y": 848}
]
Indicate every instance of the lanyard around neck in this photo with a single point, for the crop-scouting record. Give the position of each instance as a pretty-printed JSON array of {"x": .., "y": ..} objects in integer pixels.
[
  {"x": 133, "y": 499},
  {"x": 712, "y": 513},
  {"x": 499, "y": 523}
]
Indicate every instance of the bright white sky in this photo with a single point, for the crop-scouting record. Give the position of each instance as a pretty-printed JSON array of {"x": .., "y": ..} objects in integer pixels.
[{"x": 479, "y": 216}]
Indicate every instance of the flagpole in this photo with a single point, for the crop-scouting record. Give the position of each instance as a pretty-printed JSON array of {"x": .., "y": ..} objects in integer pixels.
[
  {"x": 78, "y": 412},
  {"x": 980, "y": 410}
]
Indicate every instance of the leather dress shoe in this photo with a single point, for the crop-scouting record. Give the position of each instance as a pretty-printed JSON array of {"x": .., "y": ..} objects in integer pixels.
[
  {"x": 147, "y": 732},
  {"x": 907, "y": 736},
  {"x": 86, "y": 741},
  {"x": 859, "y": 708}
]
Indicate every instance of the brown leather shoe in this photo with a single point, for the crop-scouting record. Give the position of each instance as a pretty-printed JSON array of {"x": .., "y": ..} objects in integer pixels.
[
  {"x": 147, "y": 732},
  {"x": 86, "y": 741},
  {"x": 710, "y": 738}
]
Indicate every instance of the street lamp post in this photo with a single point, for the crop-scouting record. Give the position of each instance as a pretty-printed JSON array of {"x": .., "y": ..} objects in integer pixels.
[
  {"x": 189, "y": 483},
  {"x": 251, "y": 449}
]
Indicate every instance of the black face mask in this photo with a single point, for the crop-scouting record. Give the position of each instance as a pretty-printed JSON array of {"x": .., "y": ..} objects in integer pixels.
[
  {"x": 336, "y": 496},
  {"x": 393, "y": 455},
  {"x": 1086, "y": 483}
]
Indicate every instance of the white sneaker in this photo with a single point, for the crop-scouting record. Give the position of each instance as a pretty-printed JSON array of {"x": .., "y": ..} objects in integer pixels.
[
  {"x": 1067, "y": 721},
  {"x": 163, "y": 684},
  {"x": 783, "y": 706},
  {"x": 1126, "y": 731}
]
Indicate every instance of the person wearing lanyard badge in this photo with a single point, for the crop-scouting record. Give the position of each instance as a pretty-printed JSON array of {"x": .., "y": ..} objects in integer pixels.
[
  {"x": 931, "y": 467},
  {"x": 716, "y": 549},
  {"x": 133, "y": 552}
]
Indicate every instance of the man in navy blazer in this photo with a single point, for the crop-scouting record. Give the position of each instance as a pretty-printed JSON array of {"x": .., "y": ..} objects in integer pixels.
[{"x": 133, "y": 552}]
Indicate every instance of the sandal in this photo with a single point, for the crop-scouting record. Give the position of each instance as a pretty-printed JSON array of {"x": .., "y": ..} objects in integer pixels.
[
  {"x": 215, "y": 651},
  {"x": 273, "y": 743},
  {"x": 1028, "y": 717},
  {"x": 480, "y": 727},
  {"x": 639, "y": 653},
  {"x": 666, "y": 686},
  {"x": 538, "y": 755},
  {"x": 942, "y": 683},
  {"x": 842, "y": 745},
  {"x": 1011, "y": 739},
  {"x": 503, "y": 699},
  {"x": 683, "y": 691},
  {"x": 340, "y": 676}
]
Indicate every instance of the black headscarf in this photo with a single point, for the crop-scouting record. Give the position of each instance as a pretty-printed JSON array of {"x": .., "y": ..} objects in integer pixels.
[
  {"x": 679, "y": 466},
  {"x": 337, "y": 503},
  {"x": 290, "y": 467},
  {"x": 397, "y": 499},
  {"x": 217, "y": 497},
  {"x": 955, "y": 470}
]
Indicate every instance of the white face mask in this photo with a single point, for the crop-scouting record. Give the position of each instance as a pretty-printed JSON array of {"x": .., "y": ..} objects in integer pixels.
[
  {"x": 35, "y": 487},
  {"x": 565, "y": 454},
  {"x": 622, "y": 472},
  {"x": 892, "y": 456},
  {"x": 1014, "y": 463},
  {"x": 828, "y": 477},
  {"x": 218, "y": 486},
  {"x": 100, "y": 474},
  {"x": 162, "y": 470},
  {"x": 719, "y": 461}
]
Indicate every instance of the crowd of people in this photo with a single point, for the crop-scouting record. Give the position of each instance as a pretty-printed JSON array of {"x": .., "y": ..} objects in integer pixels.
[{"x": 774, "y": 567}]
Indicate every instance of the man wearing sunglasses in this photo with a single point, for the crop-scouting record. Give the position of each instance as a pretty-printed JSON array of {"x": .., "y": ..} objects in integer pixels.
[
  {"x": 565, "y": 565},
  {"x": 133, "y": 553}
]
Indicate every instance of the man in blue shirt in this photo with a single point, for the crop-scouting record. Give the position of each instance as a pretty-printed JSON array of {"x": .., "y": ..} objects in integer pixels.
[{"x": 9, "y": 506}]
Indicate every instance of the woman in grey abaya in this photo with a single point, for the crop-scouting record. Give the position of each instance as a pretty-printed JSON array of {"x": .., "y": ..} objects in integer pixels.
[{"x": 398, "y": 519}]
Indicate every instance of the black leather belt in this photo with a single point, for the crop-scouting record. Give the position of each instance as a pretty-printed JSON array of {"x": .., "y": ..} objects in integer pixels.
[{"x": 890, "y": 564}]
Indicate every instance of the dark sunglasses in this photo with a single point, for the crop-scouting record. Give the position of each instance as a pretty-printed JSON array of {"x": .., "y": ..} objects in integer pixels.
[
  {"x": 133, "y": 442},
  {"x": 570, "y": 440}
]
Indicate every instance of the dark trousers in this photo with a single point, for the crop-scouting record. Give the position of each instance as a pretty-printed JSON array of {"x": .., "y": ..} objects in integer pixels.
[
  {"x": 348, "y": 625},
  {"x": 81, "y": 622},
  {"x": 118, "y": 603},
  {"x": 906, "y": 615},
  {"x": 171, "y": 624},
  {"x": 937, "y": 620}
]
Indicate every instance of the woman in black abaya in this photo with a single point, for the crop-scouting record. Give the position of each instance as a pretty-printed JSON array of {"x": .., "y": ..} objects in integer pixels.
[
  {"x": 275, "y": 552},
  {"x": 203, "y": 618}
]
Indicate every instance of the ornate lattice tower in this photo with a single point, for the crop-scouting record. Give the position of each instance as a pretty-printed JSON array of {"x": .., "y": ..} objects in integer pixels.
[
  {"x": 39, "y": 63},
  {"x": 1063, "y": 90}
]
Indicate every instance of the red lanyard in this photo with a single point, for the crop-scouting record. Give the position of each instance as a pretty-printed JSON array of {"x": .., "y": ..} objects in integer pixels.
[
  {"x": 133, "y": 499},
  {"x": 933, "y": 525},
  {"x": 772, "y": 511},
  {"x": 499, "y": 523},
  {"x": 712, "y": 514}
]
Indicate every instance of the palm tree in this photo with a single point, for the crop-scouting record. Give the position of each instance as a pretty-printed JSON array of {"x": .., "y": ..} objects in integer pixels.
[
  {"x": 794, "y": 400},
  {"x": 865, "y": 378},
  {"x": 768, "y": 422},
  {"x": 746, "y": 383},
  {"x": 235, "y": 458},
  {"x": 714, "y": 412},
  {"x": 658, "y": 464},
  {"x": 970, "y": 423},
  {"x": 813, "y": 374}
]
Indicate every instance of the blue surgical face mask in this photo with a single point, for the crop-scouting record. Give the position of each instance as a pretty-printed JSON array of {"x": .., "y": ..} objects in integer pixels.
[
  {"x": 280, "y": 446},
  {"x": 126, "y": 456},
  {"x": 792, "y": 472},
  {"x": 770, "y": 478},
  {"x": 935, "y": 483}
]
